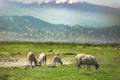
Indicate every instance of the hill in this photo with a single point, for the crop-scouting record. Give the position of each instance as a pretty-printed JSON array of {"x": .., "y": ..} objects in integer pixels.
[
  {"x": 59, "y": 12},
  {"x": 27, "y": 28}
]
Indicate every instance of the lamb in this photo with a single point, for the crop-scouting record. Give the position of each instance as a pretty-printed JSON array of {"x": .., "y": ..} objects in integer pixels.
[
  {"x": 57, "y": 59},
  {"x": 88, "y": 60},
  {"x": 42, "y": 59},
  {"x": 31, "y": 59}
]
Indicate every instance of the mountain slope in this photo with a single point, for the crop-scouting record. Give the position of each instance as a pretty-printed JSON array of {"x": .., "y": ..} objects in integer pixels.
[
  {"x": 81, "y": 13},
  {"x": 26, "y": 28}
]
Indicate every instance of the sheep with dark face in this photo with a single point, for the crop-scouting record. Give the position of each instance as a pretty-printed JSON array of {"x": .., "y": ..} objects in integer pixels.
[
  {"x": 57, "y": 60},
  {"x": 31, "y": 59},
  {"x": 88, "y": 60},
  {"x": 42, "y": 59}
]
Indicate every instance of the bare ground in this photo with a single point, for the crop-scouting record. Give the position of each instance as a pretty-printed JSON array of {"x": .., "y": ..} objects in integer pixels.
[
  {"x": 22, "y": 62},
  {"x": 13, "y": 62}
]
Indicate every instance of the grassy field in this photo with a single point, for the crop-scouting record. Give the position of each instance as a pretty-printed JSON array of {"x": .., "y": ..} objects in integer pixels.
[{"x": 108, "y": 57}]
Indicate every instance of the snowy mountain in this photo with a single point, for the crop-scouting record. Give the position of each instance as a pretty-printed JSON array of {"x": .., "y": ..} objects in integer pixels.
[
  {"x": 68, "y": 4},
  {"x": 65, "y": 12}
]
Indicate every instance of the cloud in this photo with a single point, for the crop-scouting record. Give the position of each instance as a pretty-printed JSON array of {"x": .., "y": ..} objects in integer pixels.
[
  {"x": 72, "y": 1},
  {"x": 61, "y": 1},
  {"x": 29, "y": 2},
  {"x": 46, "y": 1}
]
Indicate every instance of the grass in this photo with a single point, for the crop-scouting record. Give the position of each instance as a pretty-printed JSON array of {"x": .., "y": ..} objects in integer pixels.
[
  {"x": 107, "y": 56},
  {"x": 59, "y": 73}
]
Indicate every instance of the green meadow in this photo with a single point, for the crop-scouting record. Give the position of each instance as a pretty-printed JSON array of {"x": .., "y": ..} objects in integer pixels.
[{"x": 108, "y": 56}]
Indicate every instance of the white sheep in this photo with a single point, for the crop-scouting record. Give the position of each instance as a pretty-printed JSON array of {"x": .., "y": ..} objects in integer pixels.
[
  {"x": 42, "y": 59},
  {"x": 57, "y": 60},
  {"x": 88, "y": 60},
  {"x": 31, "y": 59},
  {"x": 78, "y": 59}
]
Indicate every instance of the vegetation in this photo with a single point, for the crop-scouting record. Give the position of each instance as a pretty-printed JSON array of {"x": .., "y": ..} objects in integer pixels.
[
  {"x": 108, "y": 57},
  {"x": 30, "y": 28}
]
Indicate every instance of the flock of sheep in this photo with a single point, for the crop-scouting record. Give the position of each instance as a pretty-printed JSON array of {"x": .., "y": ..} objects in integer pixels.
[
  {"x": 42, "y": 59},
  {"x": 80, "y": 59}
]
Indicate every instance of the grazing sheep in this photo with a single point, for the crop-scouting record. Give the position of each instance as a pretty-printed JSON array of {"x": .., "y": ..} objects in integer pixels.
[
  {"x": 57, "y": 59},
  {"x": 42, "y": 59},
  {"x": 88, "y": 60},
  {"x": 78, "y": 59},
  {"x": 31, "y": 58}
]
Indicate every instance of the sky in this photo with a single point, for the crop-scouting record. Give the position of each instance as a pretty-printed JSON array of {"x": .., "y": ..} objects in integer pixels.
[
  {"x": 66, "y": 16},
  {"x": 110, "y": 3}
]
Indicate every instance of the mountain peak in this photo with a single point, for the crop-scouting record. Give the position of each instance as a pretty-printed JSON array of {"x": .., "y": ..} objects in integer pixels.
[
  {"x": 66, "y": 1},
  {"x": 55, "y": 2}
]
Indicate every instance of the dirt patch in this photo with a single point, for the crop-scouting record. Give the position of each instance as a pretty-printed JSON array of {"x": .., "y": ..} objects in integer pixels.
[
  {"x": 22, "y": 62},
  {"x": 13, "y": 63}
]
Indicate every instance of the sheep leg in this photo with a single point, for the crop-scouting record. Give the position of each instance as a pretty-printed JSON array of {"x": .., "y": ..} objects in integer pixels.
[
  {"x": 30, "y": 63},
  {"x": 58, "y": 63},
  {"x": 78, "y": 66},
  {"x": 88, "y": 67},
  {"x": 44, "y": 62},
  {"x": 39, "y": 63},
  {"x": 54, "y": 63}
]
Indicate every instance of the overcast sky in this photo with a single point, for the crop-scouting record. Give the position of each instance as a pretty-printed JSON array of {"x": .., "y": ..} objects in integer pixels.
[{"x": 110, "y": 3}]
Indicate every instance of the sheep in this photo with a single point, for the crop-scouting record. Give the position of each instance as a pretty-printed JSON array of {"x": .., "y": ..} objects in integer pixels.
[
  {"x": 88, "y": 60},
  {"x": 78, "y": 59},
  {"x": 42, "y": 59},
  {"x": 31, "y": 59},
  {"x": 57, "y": 59}
]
